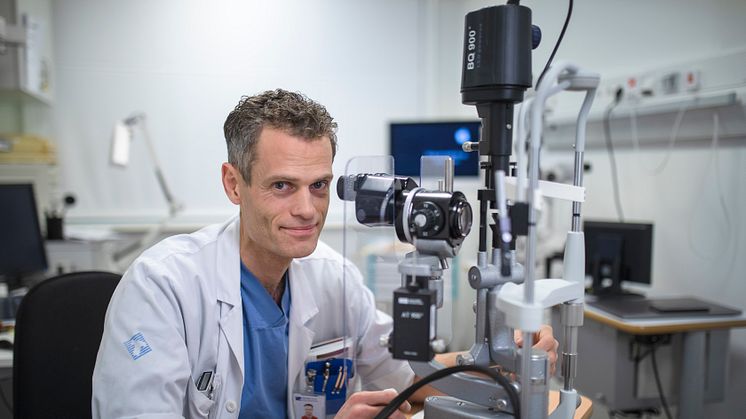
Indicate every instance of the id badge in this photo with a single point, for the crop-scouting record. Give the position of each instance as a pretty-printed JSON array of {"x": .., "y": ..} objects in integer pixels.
[{"x": 309, "y": 406}]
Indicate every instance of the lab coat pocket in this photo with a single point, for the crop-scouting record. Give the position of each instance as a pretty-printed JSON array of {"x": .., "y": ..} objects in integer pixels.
[{"x": 199, "y": 404}]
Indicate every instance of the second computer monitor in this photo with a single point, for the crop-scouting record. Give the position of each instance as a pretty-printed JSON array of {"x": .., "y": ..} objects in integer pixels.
[
  {"x": 411, "y": 140},
  {"x": 616, "y": 253}
]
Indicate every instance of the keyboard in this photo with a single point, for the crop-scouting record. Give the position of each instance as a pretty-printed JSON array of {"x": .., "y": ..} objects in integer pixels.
[{"x": 644, "y": 308}]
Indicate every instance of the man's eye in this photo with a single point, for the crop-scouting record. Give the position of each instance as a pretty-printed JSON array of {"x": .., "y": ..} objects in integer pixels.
[
  {"x": 322, "y": 184},
  {"x": 279, "y": 185}
]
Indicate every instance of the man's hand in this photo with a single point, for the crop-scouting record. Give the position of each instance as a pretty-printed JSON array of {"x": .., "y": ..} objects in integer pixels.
[
  {"x": 367, "y": 404},
  {"x": 545, "y": 340}
]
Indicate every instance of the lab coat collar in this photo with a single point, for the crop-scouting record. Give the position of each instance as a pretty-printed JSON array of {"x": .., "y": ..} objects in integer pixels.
[
  {"x": 228, "y": 284},
  {"x": 304, "y": 306},
  {"x": 302, "y": 310},
  {"x": 228, "y": 264}
]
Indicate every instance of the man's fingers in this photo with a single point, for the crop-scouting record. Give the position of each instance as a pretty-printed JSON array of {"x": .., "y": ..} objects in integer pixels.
[
  {"x": 368, "y": 411},
  {"x": 374, "y": 397},
  {"x": 552, "y": 355},
  {"x": 543, "y": 339},
  {"x": 378, "y": 398},
  {"x": 404, "y": 407},
  {"x": 518, "y": 338},
  {"x": 397, "y": 415}
]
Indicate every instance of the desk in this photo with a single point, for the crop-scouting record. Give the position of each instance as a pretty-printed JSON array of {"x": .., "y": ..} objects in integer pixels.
[
  {"x": 606, "y": 370},
  {"x": 583, "y": 411},
  {"x": 65, "y": 256}
]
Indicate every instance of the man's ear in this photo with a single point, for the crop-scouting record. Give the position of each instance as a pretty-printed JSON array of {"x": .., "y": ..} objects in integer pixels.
[{"x": 231, "y": 182}]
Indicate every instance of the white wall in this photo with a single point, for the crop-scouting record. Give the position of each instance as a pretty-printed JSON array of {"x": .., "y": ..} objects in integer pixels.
[
  {"x": 186, "y": 64},
  {"x": 697, "y": 201}
]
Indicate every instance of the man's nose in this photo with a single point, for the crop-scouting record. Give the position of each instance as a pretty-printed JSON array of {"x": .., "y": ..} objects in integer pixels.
[{"x": 304, "y": 205}]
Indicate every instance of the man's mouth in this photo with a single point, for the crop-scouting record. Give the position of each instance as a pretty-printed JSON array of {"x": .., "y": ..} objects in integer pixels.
[{"x": 300, "y": 230}]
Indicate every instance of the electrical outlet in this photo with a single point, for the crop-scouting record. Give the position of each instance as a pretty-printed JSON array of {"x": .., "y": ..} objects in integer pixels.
[
  {"x": 647, "y": 86},
  {"x": 632, "y": 88},
  {"x": 670, "y": 83},
  {"x": 637, "y": 87},
  {"x": 691, "y": 80}
]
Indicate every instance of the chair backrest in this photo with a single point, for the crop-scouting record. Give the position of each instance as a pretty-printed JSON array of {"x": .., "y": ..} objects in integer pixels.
[{"x": 59, "y": 325}]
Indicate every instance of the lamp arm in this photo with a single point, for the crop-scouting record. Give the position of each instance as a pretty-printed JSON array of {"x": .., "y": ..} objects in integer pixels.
[{"x": 173, "y": 205}]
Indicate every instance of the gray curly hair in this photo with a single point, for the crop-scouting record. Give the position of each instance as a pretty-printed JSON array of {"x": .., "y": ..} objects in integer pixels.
[{"x": 290, "y": 112}]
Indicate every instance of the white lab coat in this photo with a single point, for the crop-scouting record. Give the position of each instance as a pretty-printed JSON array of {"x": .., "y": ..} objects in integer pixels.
[{"x": 183, "y": 296}]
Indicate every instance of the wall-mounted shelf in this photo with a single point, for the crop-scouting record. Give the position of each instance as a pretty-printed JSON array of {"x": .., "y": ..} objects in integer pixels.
[
  {"x": 653, "y": 121},
  {"x": 676, "y": 104},
  {"x": 652, "y": 101},
  {"x": 24, "y": 97}
]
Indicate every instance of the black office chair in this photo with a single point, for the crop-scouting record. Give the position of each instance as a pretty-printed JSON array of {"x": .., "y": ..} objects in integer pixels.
[{"x": 58, "y": 331}]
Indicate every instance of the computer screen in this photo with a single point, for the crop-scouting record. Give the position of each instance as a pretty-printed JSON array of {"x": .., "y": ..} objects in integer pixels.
[
  {"x": 22, "y": 249},
  {"x": 617, "y": 252},
  {"x": 411, "y": 140}
]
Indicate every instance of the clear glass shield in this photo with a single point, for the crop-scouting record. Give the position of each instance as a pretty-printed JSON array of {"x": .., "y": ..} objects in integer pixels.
[
  {"x": 436, "y": 173},
  {"x": 370, "y": 240}
]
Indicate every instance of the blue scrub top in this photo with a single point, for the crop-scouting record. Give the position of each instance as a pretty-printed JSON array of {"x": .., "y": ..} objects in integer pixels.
[{"x": 265, "y": 343}]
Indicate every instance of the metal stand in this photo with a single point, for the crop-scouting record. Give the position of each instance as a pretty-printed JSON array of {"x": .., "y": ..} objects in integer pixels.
[
  {"x": 692, "y": 384},
  {"x": 444, "y": 407}
]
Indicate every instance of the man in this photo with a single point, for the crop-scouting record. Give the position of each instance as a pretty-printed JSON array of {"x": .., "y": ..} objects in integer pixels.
[
  {"x": 220, "y": 322},
  {"x": 308, "y": 412}
]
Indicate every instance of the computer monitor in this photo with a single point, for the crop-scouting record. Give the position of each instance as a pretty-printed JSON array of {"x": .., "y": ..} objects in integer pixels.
[
  {"x": 22, "y": 251},
  {"x": 616, "y": 253},
  {"x": 411, "y": 140}
]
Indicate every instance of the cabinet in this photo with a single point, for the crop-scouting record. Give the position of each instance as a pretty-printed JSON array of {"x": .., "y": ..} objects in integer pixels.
[
  {"x": 27, "y": 68},
  {"x": 26, "y": 71},
  {"x": 26, "y": 95}
]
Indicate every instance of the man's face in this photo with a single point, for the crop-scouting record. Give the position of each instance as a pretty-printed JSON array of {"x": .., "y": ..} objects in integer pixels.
[
  {"x": 308, "y": 410},
  {"x": 284, "y": 207}
]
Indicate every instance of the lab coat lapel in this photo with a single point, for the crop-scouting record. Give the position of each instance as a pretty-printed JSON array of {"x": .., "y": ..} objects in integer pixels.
[
  {"x": 302, "y": 310},
  {"x": 228, "y": 275}
]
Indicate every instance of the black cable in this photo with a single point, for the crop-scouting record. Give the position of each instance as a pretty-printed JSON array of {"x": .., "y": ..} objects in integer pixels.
[
  {"x": 643, "y": 356},
  {"x": 556, "y": 46},
  {"x": 437, "y": 375},
  {"x": 658, "y": 382},
  {"x": 610, "y": 149},
  {"x": 634, "y": 413}
]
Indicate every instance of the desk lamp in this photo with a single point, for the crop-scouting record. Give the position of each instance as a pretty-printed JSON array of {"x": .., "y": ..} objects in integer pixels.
[{"x": 122, "y": 136}]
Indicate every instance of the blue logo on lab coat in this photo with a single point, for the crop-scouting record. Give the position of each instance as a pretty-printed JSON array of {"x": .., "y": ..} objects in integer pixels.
[{"x": 137, "y": 346}]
